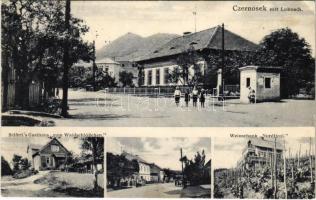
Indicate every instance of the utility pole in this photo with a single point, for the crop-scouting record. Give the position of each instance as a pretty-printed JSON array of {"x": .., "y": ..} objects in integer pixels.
[
  {"x": 64, "y": 103},
  {"x": 181, "y": 158},
  {"x": 310, "y": 159},
  {"x": 275, "y": 170}
]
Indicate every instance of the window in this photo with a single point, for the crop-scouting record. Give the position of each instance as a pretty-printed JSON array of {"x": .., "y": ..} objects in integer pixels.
[
  {"x": 149, "y": 77},
  {"x": 267, "y": 82},
  {"x": 247, "y": 82},
  {"x": 166, "y": 76},
  {"x": 142, "y": 77},
  {"x": 157, "y": 76},
  {"x": 54, "y": 148}
]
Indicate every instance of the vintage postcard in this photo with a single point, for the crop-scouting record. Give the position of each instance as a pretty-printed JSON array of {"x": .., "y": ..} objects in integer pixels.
[
  {"x": 169, "y": 167},
  {"x": 43, "y": 164},
  {"x": 187, "y": 99},
  {"x": 158, "y": 63},
  {"x": 265, "y": 167}
]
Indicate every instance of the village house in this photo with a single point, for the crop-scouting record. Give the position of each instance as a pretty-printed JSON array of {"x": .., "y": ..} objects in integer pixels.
[
  {"x": 130, "y": 67},
  {"x": 110, "y": 67},
  {"x": 51, "y": 156},
  {"x": 160, "y": 63},
  {"x": 144, "y": 166},
  {"x": 156, "y": 174},
  {"x": 259, "y": 152},
  {"x": 105, "y": 66},
  {"x": 264, "y": 80}
]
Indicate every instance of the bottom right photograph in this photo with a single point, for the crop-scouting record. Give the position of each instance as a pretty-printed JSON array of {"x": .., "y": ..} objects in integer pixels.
[{"x": 264, "y": 168}]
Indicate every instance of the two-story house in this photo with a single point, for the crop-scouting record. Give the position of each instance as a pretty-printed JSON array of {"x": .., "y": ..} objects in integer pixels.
[
  {"x": 144, "y": 166},
  {"x": 51, "y": 156},
  {"x": 259, "y": 152},
  {"x": 156, "y": 174}
]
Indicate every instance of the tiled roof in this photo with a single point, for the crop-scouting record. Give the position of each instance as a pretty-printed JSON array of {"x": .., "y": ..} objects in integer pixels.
[
  {"x": 153, "y": 165},
  {"x": 206, "y": 39},
  {"x": 262, "y": 142}
]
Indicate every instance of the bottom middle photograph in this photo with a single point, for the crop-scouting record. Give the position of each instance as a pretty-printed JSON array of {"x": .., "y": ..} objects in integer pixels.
[{"x": 148, "y": 167}]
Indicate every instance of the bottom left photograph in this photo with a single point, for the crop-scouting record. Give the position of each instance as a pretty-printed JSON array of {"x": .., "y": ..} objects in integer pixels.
[{"x": 52, "y": 166}]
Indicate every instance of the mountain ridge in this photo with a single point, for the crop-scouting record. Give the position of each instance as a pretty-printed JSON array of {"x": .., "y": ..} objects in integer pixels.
[{"x": 130, "y": 46}]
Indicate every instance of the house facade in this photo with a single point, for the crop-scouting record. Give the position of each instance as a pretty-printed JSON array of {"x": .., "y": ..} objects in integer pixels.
[
  {"x": 105, "y": 66},
  {"x": 144, "y": 167},
  {"x": 162, "y": 61},
  {"x": 259, "y": 152},
  {"x": 156, "y": 174},
  {"x": 130, "y": 67},
  {"x": 110, "y": 67},
  {"x": 52, "y": 156}
]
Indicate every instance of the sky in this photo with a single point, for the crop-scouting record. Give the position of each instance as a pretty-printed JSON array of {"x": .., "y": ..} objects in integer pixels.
[
  {"x": 165, "y": 152},
  {"x": 112, "y": 19},
  {"x": 18, "y": 145},
  {"x": 227, "y": 151}
]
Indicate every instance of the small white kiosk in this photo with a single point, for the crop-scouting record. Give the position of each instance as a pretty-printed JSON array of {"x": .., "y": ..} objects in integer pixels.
[{"x": 264, "y": 80}]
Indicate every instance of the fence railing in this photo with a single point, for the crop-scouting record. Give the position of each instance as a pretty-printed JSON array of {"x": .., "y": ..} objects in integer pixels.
[{"x": 230, "y": 91}]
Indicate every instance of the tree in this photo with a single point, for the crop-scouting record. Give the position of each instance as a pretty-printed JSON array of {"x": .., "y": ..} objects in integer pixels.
[
  {"x": 126, "y": 78},
  {"x": 5, "y": 167},
  {"x": 101, "y": 79},
  {"x": 119, "y": 167},
  {"x": 194, "y": 169},
  {"x": 16, "y": 162},
  {"x": 141, "y": 74},
  {"x": 95, "y": 147},
  {"x": 20, "y": 163},
  {"x": 232, "y": 62},
  {"x": 33, "y": 35},
  {"x": 286, "y": 49},
  {"x": 188, "y": 71},
  {"x": 24, "y": 164}
]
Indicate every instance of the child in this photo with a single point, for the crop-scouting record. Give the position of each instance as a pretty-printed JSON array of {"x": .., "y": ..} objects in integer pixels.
[
  {"x": 177, "y": 95},
  {"x": 187, "y": 97},
  {"x": 202, "y": 98},
  {"x": 195, "y": 94},
  {"x": 252, "y": 95}
]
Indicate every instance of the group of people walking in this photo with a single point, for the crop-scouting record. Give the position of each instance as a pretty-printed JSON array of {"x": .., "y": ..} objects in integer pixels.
[{"x": 195, "y": 95}]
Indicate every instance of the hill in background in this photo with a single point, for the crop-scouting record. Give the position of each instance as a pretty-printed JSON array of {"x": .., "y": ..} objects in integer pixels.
[{"x": 131, "y": 46}]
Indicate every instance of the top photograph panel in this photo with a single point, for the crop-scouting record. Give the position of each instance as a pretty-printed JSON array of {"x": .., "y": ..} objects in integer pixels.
[{"x": 158, "y": 64}]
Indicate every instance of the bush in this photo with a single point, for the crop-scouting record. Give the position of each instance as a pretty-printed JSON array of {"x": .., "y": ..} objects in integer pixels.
[
  {"x": 5, "y": 167},
  {"x": 23, "y": 174}
]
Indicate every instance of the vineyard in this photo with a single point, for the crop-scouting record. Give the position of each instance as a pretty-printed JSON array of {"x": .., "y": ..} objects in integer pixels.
[{"x": 268, "y": 181}]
